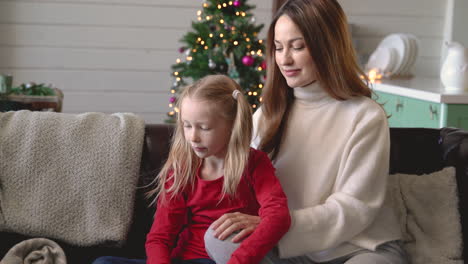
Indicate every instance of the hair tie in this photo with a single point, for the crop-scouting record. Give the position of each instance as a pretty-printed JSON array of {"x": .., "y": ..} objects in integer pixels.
[{"x": 235, "y": 93}]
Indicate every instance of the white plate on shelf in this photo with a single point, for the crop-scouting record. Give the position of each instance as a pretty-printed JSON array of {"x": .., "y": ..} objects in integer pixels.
[
  {"x": 398, "y": 43},
  {"x": 383, "y": 59},
  {"x": 413, "y": 54},
  {"x": 407, "y": 54}
]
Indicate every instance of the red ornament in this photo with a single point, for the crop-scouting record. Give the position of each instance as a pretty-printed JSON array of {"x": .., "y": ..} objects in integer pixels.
[
  {"x": 236, "y": 3},
  {"x": 263, "y": 65},
  {"x": 248, "y": 60}
]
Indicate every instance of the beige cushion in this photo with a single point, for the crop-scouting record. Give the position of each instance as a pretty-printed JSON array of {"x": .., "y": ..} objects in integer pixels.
[{"x": 427, "y": 206}]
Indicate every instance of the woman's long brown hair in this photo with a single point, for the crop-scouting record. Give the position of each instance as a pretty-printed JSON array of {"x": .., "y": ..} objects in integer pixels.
[{"x": 325, "y": 30}]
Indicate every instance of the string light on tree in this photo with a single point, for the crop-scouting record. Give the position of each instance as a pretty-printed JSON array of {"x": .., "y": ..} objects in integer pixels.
[{"x": 215, "y": 45}]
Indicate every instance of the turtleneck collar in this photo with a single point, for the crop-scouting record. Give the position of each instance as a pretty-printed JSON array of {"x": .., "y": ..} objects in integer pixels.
[{"x": 311, "y": 94}]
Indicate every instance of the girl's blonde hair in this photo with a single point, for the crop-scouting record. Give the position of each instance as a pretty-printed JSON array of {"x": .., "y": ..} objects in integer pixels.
[
  {"x": 182, "y": 164},
  {"x": 325, "y": 29}
]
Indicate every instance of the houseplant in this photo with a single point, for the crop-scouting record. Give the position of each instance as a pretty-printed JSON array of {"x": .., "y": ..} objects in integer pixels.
[{"x": 31, "y": 96}]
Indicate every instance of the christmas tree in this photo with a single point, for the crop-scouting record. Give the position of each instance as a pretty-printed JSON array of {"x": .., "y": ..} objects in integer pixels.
[{"x": 224, "y": 40}]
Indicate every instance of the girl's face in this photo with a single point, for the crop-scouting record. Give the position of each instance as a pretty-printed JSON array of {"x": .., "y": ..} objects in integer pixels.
[
  {"x": 292, "y": 55},
  {"x": 206, "y": 131}
]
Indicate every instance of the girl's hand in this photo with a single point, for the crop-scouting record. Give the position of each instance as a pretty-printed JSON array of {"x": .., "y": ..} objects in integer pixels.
[{"x": 233, "y": 222}]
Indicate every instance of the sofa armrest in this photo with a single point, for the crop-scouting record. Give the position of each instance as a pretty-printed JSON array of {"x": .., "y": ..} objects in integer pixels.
[
  {"x": 155, "y": 149},
  {"x": 455, "y": 151},
  {"x": 415, "y": 151}
]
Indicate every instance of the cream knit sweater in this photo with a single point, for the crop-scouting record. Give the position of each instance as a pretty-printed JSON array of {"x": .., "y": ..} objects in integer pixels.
[{"x": 333, "y": 166}]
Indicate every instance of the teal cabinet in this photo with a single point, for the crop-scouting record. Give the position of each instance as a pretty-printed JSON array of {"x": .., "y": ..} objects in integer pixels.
[
  {"x": 404, "y": 111},
  {"x": 458, "y": 115}
]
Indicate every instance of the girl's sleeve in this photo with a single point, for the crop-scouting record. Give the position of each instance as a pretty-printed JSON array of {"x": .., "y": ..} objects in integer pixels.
[
  {"x": 274, "y": 214},
  {"x": 357, "y": 198},
  {"x": 168, "y": 222}
]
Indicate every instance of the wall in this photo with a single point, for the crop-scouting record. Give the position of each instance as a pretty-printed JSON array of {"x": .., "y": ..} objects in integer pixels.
[
  {"x": 372, "y": 20},
  {"x": 106, "y": 55},
  {"x": 115, "y": 55},
  {"x": 457, "y": 21}
]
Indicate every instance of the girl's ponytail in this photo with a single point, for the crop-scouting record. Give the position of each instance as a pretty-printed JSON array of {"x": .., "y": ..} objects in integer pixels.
[{"x": 239, "y": 145}]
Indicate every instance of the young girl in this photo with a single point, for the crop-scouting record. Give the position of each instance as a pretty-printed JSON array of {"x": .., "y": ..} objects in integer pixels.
[{"x": 211, "y": 171}]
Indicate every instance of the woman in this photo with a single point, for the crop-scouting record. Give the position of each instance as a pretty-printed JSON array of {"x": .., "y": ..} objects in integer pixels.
[{"x": 329, "y": 142}]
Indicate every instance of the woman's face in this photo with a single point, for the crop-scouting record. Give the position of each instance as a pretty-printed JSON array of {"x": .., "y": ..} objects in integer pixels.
[{"x": 292, "y": 55}]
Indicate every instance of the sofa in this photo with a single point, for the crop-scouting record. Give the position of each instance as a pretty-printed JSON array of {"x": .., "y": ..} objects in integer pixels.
[{"x": 414, "y": 151}]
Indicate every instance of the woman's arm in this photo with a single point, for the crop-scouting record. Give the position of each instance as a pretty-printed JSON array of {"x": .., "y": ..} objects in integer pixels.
[
  {"x": 273, "y": 212},
  {"x": 231, "y": 222},
  {"x": 168, "y": 221}
]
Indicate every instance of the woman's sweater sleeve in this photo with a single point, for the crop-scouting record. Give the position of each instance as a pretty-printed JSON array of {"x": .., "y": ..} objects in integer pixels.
[
  {"x": 274, "y": 214},
  {"x": 358, "y": 193},
  {"x": 168, "y": 221}
]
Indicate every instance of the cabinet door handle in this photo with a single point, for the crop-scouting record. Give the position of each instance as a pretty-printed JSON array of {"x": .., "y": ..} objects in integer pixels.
[
  {"x": 432, "y": 111},
  {"x": 398, "y": 105}
]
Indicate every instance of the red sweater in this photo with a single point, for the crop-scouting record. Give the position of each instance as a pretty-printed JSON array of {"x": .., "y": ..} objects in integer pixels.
[{"x": 187, "y": 217}]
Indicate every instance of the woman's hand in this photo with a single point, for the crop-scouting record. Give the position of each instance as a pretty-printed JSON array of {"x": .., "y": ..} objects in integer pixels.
[{"x": 232, "y": 222}]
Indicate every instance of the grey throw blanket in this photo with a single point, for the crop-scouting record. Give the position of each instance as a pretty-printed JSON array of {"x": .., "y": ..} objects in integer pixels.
[
  {"x": 69, "y": 177},
  {"x": 35, "y": 251}
]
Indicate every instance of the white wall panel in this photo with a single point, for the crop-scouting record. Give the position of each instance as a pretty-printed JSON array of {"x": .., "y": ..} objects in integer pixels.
[
  {"x": 111, "y": 102},
  {"x": 87, "y": 59},
  {"x": 106, "y": 55},
  {"x": 260, "y": 4},
  {"x": 39, "y": 12},
  {"x": 373, "y": 20},
  {"x": 115, "y": 55},
  {"x": 382, "y": 26},
  {"x": 115, "y": 101},
  {"x": 90, "y": 36},
  {"x": 414, "y": 8},
  {"x": 97, "y": 80}
]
